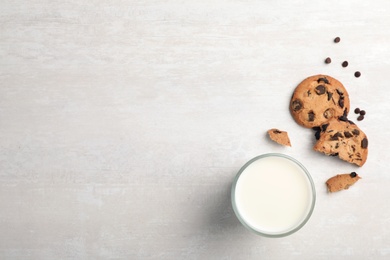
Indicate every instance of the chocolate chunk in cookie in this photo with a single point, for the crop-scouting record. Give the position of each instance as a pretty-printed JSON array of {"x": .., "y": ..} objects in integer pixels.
[
  {"x": 317, "y": 99},
  {"x": 344, "y": 139}
]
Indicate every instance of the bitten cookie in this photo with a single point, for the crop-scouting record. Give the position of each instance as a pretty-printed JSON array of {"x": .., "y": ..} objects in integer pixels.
[
  {"x": 342, "y": 138},
  {"x": 317, "y": 99},
  {"x": 342, "y": 181},
  {"x": 281, "y": 137}
]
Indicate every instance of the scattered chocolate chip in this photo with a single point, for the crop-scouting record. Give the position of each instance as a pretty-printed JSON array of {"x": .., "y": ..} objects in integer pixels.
[
  {"x": 357, "y": 110},
  {"x": 360, "y": 118},
  {"x": 324, "y": 127},
  {"x": 344, "y": 64},
  {"x": 311, "y": 116},
  {"x": 320, "y": 89},
  {"x": 347, "y": 134},
  {"x": 325, "y": 80},
  {"x": 296, "y": 105},
  {"x": 353, "y": 174},
  {"x": 337, "y": 40},
  {"x": 357, "y": 74},
  {"x": 355, "y": 132},
  {"x": 329, "y": 95},
  {"x": 328, "y": 60},
  {"x": 364, "y": 143},
  {"x": 362, "y": 112}
]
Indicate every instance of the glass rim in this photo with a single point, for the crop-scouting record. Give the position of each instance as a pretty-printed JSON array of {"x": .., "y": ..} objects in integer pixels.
[{"x": 280, "y": 234}]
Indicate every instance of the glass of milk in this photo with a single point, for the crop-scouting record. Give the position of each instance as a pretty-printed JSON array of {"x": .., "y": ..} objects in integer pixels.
[{"x": 273, "y": 195}]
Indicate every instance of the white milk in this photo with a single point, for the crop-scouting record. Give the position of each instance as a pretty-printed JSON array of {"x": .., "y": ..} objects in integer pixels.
[{"x": 273, "y": 195}]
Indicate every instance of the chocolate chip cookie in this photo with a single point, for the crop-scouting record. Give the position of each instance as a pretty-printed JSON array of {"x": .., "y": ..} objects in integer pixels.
[
  {"x": 342, "y": 181},
  {"x": 342, "y": 138},
  {"x": 317, "y": 99}
]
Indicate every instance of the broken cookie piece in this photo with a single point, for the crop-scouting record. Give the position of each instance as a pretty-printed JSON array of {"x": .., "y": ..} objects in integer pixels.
[
  {"x": 281, "y": 137},
  {"x": 342, "y": 138},
  {"x": 342, "y": 181}
]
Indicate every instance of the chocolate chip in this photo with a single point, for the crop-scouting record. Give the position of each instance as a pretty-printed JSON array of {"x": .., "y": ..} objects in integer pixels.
[
  {"x": 276, "y": 131},
  {"x": 316, "y": 128},
  {"x": 357, "y": 110},
  {"x": 325, "y": 80},
  {"x": 353, "y": 174},
  {"x": 364, "y": 143},
  {"x": 334, "y": 154},
  {"x": 343, "y": 118},
  {"x": 360, "y": 118},
  {"x": 347, "y": 134},
  {"x": 351, "y": 122},
  {"x": 308, "y": 93},
  {"x": 296, "y": 105},
  {"x": 329, "y": 95},
  {"x": 324, "y": 127},
  {"x": 341, "y": 102},
  {"x": 345, "y": 113},
  {"x": 320, "y": 89},
  {"x": 339, "y": 92},
  {"x": 336, "y": 136},
  {"x": 328, "y": 60},
  {"x": 344, "y": 64},
  {"x": 357, "y": 74},
  {"x": 317, "y": 135},
  {"x": 362, "y": 112},
  {"x": 355, "y": 132},
  {"x": 337, "y": 40},
  {"x": 353, "y": 148},
  {"x": 311, "y": 116}
]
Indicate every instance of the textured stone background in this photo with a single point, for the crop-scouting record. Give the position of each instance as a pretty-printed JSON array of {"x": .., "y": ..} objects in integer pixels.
[{"x": 123, "y": 123}]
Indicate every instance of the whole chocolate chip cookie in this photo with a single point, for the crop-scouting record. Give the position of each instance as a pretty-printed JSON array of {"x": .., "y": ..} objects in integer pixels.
[
  {"x": 342, "y": 138},
  {"x": 317, "y": 99}
]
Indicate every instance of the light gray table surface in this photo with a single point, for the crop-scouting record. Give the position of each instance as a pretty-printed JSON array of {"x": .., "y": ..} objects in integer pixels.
[{"x": 123, "y": 124}]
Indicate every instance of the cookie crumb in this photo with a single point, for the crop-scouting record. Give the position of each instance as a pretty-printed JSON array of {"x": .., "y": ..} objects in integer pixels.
[{"x": 278, "y": 136}]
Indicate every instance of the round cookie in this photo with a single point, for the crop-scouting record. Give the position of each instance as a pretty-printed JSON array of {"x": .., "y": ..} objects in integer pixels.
[{"x": 317, "y": 99}]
